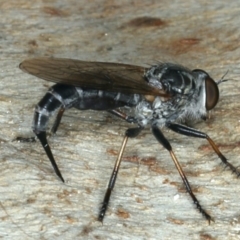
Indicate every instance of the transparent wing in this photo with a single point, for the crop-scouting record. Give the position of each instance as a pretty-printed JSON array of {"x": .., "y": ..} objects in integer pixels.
[{"x": 114, "y": 77}]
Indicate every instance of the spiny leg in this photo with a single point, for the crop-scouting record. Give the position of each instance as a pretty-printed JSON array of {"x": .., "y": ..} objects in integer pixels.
[
  {"x": 195, "y": 133},
  {"x": 57, "y": 120},
  {"x": 43, "y": 139},
  {"x": 161, "y": 139},
  {"x": 132, "y": 132}
]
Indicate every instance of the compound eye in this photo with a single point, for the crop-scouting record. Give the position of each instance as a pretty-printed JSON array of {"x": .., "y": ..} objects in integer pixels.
[{"x": 212, "y": 93}]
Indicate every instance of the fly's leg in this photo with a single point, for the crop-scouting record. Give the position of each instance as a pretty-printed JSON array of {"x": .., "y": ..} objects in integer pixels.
[
  {"x": 43, "y": 139},
  {"x": 123, "y": 116},
  {"x": 25, "y": 139},
  {"x": 161, "y": 139},
  {"x": 58, "y": 120},
  {"x": 181, "y": 129},
  {"x": 132, "y": 132}
]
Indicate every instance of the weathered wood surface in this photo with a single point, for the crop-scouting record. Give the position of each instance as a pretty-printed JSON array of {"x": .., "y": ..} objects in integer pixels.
[{"x": 149, "y": 200}]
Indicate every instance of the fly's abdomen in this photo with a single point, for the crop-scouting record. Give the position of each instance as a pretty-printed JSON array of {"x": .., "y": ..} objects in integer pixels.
[
  {"x": 104, "y": 100},
  {"x": 59, "y": 95},
  {"x": 66, "y": 96}
]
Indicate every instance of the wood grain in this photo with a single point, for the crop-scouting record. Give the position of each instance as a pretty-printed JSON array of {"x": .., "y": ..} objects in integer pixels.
[{"x": 149, "y": 200}]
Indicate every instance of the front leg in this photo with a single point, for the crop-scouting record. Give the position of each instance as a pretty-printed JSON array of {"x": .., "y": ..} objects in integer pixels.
[{"x": 191, "y": 132}]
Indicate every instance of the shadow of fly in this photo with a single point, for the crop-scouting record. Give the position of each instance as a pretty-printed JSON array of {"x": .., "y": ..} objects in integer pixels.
[{"x": 163, "y": 95}]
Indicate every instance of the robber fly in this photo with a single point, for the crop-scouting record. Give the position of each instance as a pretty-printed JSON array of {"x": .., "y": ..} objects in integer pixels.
[{"x": 163, "y": 95}]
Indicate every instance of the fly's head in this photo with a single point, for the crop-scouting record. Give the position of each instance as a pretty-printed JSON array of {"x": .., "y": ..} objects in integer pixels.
[
  {"x": 204, "y": 97},
  {"x": 209, "y": 88}
]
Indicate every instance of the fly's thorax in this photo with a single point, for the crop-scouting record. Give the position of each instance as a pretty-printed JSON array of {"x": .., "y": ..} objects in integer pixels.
[
  {"x": 154, "y": 109},
  {"x": 171, "y": 78},
  {"x": 177, "y": 109},
  {"x": 144, "y": 112},
  {"x": 186, "y": 90},
  {"x": 183, "y": 95},
  {"x": 159, "y": 111}
]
